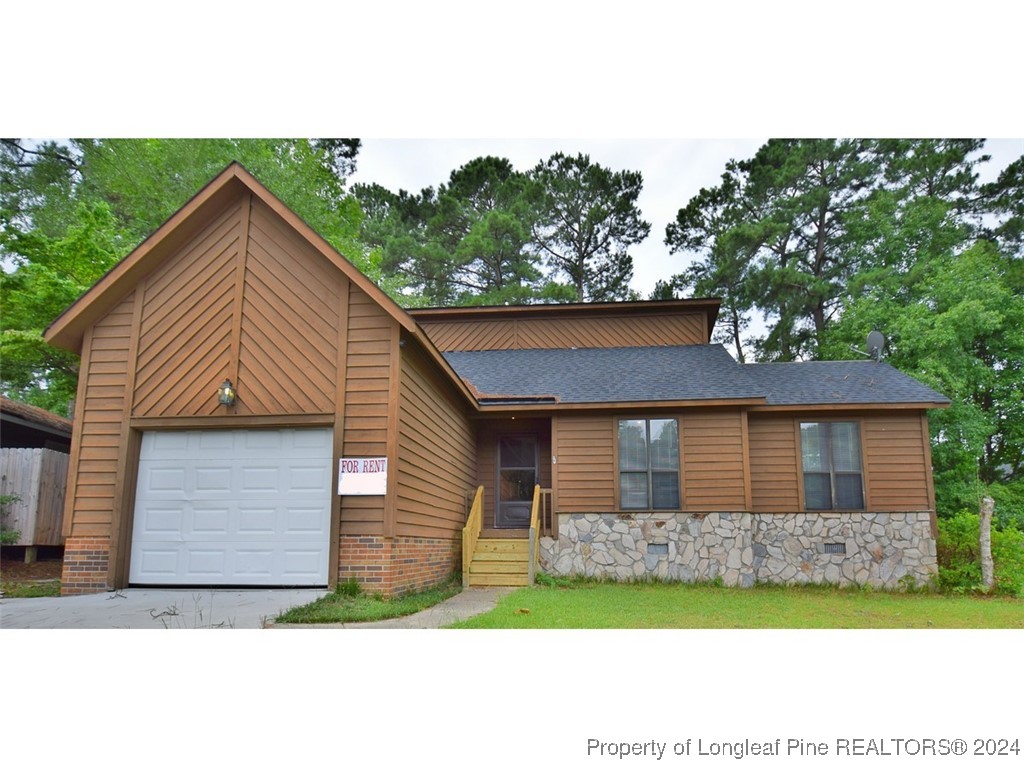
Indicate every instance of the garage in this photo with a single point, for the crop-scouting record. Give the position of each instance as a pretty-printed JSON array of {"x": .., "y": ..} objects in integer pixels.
[{"x": 238, "y": 507}]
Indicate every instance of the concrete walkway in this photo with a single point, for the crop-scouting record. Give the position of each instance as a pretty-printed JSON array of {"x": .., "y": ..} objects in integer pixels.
[
  {"x": 220, "y": 609},
  {"x": 155, "y": 609},
  {"x": 469, "y": 602}
]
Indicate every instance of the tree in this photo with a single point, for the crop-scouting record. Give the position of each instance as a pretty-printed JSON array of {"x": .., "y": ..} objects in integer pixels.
[
  {"x": 779, "y": 226},
  {"x": 466, "y": 243},
  {"x": 711, "y": 225},
  {"x": 69, "y": 213},
  {"x": 586, "y": 220}
]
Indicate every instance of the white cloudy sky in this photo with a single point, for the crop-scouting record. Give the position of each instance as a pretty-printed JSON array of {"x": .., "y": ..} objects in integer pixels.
[{"x": 673, "y": 171}]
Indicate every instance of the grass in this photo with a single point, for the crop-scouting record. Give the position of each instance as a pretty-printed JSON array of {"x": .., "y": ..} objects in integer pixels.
[
  {"x": 49, "y": 588},
  {"x": 348, "y": 604},
  {"x": 653, "y": 605}
]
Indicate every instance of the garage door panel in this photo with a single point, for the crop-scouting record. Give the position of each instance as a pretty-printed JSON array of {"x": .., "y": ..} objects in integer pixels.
[
  {"x": 211, "y": 520},
  {"x": 258, "y": 520},
  {"x": 233, "y": 507},
  {"x": 299, "y": 561}
]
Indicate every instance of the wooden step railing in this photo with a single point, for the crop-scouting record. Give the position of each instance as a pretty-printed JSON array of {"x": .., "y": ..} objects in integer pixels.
[
  {"x": 541, "y": 524},
  {"x": 471, "y": 533}
]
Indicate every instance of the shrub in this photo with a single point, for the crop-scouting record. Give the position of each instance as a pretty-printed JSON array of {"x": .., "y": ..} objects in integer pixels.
[
  {"x": 960, "y": 557},
  {"x": 8, "y": 535}
]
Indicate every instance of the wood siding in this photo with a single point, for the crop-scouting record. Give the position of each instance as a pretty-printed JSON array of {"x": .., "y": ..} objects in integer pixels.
[
  {"x": 773, "y": 464},
  {"x": 712, "y": 458},
  {"x": 436, "y": 453},
  {"x": 896, "y": 471},
  {"x": 488, "y": 433},
  {"x": 367, "y": 384},
  {"x": 92, "y": 473},
  {"x": 185, "y": 324},
  {"x": 586, "y": 464},
  {"x": 565, "y": 332},
  {"x": 288, "y": 347},
  {"x": 897, "y": 468}
]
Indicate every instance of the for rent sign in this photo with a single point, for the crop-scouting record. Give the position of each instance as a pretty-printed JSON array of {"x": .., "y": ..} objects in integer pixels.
[{"x": 362, "y": 477}]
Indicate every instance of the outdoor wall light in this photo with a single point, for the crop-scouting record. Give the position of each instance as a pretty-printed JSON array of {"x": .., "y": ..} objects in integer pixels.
[{"x": 226, "y": 393}]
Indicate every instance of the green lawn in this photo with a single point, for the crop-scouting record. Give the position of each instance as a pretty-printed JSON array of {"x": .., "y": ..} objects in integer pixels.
[
  {"x": 49, "y": 588},
  {"x": 349, "y": 605},
  {"x": 690, "y": 606}
]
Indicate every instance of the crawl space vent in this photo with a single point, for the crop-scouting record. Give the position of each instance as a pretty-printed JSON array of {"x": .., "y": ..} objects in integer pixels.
[{"x": 835, "y": 548}]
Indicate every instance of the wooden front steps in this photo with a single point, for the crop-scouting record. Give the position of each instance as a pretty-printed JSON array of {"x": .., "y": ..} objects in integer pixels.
[{"x": 500, "y": 563}]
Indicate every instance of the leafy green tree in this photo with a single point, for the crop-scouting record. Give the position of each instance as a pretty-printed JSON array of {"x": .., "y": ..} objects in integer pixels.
[
  {"x": 779, "y": 227},
  {"x": 69, "y": 212},
  {"x": 711, "y": 225},
  {"x": 586, "y": 221},
  {"x": 466, "y": 243}
]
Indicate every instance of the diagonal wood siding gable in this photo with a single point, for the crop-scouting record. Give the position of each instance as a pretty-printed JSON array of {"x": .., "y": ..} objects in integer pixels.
[
  {"x": 288, "y": 349},
  {"x": 185, "y": 324},
  {"x": 566, "y": 332}
]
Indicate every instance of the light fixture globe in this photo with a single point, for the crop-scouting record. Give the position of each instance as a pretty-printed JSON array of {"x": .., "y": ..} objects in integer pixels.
[{"x": 226, "y": 393}]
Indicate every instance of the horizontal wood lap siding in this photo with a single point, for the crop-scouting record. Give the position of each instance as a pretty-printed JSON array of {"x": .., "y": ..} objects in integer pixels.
[
  {"x": 366, "y": 404},
  {"x": 288, "y": 349},
  {"x": 713, "y": 468},
  {"x": 436, "y": 454},
  {"x": 586, "y": 469},
  {"x": 897, "y": 473},
  {"x": 93, "y": 474},
  {"x": 773, "y": 464},
  {"x": 565, "y": 332}
]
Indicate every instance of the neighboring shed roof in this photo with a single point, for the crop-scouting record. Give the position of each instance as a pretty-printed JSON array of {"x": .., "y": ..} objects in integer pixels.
[
  {"x": 678, "y": 374},
  {"x": 15, "y": 411}
]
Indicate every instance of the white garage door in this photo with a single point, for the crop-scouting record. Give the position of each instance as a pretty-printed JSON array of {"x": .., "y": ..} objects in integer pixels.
[{"x": 233, "y": 507}]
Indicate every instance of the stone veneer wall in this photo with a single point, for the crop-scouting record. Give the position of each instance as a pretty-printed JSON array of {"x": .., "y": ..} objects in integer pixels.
[{"x": 742, "y": 548}]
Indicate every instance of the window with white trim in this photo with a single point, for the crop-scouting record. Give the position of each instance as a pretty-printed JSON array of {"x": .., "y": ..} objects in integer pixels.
[
  {"x": 649, "y": 464},
  {"x": 830, "y": 453}
]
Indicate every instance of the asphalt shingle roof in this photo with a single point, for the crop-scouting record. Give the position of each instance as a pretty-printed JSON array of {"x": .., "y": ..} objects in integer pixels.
[{"x": 694, "y": 372}]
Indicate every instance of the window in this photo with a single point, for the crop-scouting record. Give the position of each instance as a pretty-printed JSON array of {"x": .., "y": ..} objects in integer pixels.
[
  {"x": 649, "y": 464},
  {"x": 830, "y": 451}
]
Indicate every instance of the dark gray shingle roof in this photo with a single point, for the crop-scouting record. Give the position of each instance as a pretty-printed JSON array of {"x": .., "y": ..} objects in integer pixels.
[
  {"x": 695, "y": 372},
  {"x": 841, "y": 381}
]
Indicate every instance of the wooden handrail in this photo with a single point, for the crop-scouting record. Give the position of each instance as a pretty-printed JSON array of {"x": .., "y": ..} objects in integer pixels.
[
  {"x": 535, "y": 533},
  {"x": 471, "y": 533}
]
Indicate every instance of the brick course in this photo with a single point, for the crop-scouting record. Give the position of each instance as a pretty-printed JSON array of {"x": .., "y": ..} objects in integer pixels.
[
  {"x": 85, "y": 565},
  {"x": 400, "y": 565}
]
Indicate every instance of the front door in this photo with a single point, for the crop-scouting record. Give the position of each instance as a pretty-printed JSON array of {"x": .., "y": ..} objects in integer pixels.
[{"x": 517, "y": 476}]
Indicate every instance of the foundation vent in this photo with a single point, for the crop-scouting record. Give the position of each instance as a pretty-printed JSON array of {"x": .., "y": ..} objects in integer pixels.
[
  {"x": 657, "y": 549},
  {"x": 835, "y": 548}
]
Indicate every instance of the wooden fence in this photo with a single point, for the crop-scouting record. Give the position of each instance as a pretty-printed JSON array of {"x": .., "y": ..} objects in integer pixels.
[{"x": 38, "y": 477}]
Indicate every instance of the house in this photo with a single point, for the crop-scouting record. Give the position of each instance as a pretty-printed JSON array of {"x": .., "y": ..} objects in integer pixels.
[{"x": 252, "y": 410}]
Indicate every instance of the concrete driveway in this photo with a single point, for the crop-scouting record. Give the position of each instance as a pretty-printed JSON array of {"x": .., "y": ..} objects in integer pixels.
[{"x": 155, "y": 609}]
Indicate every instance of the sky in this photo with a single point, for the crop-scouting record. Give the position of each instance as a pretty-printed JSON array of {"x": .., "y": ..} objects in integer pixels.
[{"x": 674, "y": 170}]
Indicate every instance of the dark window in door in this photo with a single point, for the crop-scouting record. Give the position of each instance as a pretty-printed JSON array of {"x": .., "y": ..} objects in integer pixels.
[{"x": 517, "y": 477}]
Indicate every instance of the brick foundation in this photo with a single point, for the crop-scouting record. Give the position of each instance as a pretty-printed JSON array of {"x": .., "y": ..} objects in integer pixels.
[
  {"x": 397, "y": 566},
  {"x": 85, "y": 566}
]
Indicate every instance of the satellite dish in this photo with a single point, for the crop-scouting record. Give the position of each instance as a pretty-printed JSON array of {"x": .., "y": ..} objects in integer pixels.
[{"x": 876, "y": 341}]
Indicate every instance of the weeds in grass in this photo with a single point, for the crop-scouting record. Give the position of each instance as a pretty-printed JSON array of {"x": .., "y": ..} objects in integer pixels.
[
  {"x": 173, "y": 618},
  {"x": 348, "y": 603}
]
